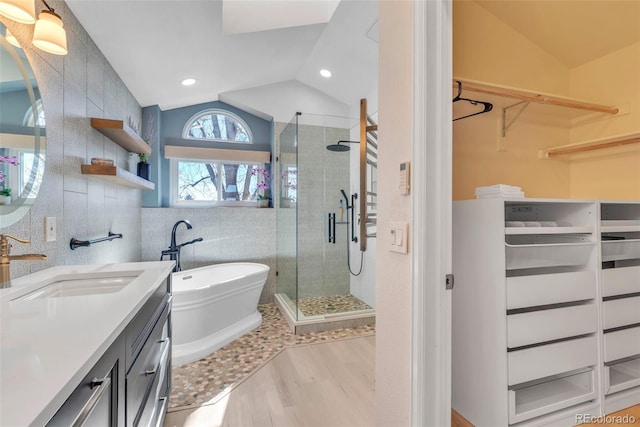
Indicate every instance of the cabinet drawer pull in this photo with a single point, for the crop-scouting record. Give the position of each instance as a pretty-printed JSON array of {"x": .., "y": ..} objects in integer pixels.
[
  {"x": 98, "y": 386},
  {"x": 150, "y": 371}
]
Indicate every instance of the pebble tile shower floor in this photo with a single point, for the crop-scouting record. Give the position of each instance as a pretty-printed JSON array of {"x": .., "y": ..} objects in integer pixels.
[
  {"x": 200, "y": 382},
  {"x": 313, "y": 306}
]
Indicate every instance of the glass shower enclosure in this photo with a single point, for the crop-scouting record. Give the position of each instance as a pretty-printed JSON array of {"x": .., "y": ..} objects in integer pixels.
[{"x": 316, "y": 221}]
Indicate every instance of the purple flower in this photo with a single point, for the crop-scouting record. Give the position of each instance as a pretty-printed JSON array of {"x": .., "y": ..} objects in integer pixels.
[{"x": 9, "y": 160}]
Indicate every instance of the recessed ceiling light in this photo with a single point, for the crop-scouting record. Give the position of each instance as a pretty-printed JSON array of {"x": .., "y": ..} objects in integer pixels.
[
  {"x": 325, "y": 73},
  {"x": 188, "y": 82}
]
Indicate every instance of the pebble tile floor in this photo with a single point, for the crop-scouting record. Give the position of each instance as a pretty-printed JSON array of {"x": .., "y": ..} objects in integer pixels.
[
  {"x": 202, "y": 381},
  {"x": 313, "y": 306}
]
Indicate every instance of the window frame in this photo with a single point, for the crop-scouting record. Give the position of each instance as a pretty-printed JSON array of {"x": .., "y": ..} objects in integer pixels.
[
  {"x": 209, "y": 111},
  {"x": 173, "y": 188}
]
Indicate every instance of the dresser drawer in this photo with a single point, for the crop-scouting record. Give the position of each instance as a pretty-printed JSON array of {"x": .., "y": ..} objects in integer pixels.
[
  {"x": 620, "y": 281},
  {"x": 621, "y": 312},
  {"x": 551, "y": 359},
  {"x": 531, "y": 291},
  {"x": 621, "y": 344},
  {"x": 548, "y": 325}
]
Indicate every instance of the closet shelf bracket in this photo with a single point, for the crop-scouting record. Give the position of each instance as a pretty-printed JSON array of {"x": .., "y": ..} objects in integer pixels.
[{"x": 505, "y": 125}]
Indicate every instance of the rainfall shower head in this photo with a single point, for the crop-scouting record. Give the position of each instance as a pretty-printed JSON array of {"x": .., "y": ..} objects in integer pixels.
[{"x": 339, "y": 147}]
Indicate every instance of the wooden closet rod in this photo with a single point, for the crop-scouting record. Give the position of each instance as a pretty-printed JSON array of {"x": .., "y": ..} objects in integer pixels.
[
  {"x": 616, "y": 141},
  {"x": 540, "y": 98}
]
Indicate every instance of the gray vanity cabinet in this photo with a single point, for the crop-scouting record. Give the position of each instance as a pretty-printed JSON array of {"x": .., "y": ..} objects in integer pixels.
[
  {"x": 149, "y": 362},
  {"x": 99, "y": 399},
  {"x": 130, "y": 384}
]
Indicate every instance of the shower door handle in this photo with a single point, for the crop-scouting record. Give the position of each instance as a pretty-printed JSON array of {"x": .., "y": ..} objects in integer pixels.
[
  {"x": 354, "y": 197},
  {"x": 332, "y": 228}
]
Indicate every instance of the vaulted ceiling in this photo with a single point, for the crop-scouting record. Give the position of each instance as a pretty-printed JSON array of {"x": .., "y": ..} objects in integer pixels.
[
  {"x": 574, "y": 32},
  {"x": 233, "y": 45}
]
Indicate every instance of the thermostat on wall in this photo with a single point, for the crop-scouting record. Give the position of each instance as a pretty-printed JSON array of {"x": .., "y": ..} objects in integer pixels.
[{"x": 405, "y": 175}]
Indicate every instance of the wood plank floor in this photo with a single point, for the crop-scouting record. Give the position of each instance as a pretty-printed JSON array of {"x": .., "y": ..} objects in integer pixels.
[
  {"x": 328, "y": 384},
  {"x": 632, "y": 413}
]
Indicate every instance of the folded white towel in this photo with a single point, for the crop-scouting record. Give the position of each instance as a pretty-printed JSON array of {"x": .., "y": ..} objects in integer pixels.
[
  {"x": 501, "y": 196},
  {"x": 499, "y": 187},
  {"x": 480, "y": 193}
]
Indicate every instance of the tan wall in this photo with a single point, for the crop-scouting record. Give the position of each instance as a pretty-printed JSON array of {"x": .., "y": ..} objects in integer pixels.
[
  {"x": 393, "y": 270},
  {"x": 486, "y": 49},
  {"x": 608, "y": 174}
]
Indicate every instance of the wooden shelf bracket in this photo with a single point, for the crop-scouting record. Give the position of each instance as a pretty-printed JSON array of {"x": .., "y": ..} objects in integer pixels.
[{"x": 505, "y": 125}]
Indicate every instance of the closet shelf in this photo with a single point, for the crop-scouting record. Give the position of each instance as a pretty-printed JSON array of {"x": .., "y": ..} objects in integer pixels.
[
  {"x": 531, "y": 96},
  {"x": 117, "y": 175},
  {"x": 547, "y": 230},
  {"x": 595, "y": 144},
  {"x": 120, "y": 133}
]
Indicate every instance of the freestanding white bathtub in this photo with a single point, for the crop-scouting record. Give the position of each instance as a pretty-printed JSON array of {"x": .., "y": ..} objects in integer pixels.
[{"x": 213, "y": 306}]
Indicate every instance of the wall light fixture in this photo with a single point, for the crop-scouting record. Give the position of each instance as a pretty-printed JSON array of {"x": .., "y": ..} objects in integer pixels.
[
  {"x": 49, "y": 34},
  {"x": 23, "y": 11}
]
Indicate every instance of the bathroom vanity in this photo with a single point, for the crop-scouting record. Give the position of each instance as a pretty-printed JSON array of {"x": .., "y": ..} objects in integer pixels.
[{"x": 87, "y": 345}]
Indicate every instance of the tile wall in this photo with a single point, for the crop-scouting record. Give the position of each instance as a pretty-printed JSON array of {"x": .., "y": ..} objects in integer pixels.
[
  {"x": 231, "y": 234},
  {"x": 75, "y": 87}
]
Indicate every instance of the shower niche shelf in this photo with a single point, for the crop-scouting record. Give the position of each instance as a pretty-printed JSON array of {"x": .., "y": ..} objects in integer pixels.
[
  {"x": 120, "y": 133},
  {"x": 118, "y": 176}
]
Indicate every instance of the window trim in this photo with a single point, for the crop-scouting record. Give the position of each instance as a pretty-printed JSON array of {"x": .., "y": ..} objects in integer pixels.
[
  {"x": 173, "y": 188},
  {"x": 209, "y": 111}
]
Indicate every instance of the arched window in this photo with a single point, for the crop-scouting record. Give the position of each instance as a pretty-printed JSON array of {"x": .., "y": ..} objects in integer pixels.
[
  {"x": 217, "y": 125},
  {"x": 217, "y": 175},
  {"x": 29, "y": 118}
]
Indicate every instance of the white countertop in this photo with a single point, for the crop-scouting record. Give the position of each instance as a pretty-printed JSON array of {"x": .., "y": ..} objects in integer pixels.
[{"x": 48, "y": 345}]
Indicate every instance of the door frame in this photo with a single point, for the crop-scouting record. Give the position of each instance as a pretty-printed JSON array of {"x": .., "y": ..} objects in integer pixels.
[{"x": 431, "y": 234}]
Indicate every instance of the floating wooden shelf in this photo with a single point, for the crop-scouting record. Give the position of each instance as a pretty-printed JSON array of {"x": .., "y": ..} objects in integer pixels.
[
  {"x": 121, "y": 134},
  {"x": 117, "y": 175},
  {"x": 596, "y": 144}
]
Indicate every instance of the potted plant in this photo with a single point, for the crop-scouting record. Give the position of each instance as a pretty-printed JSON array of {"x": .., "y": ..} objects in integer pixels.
[
  {"x": 5, "y": 196},
  {"x": 143, "y": 166},
  {"x": 148, "y": 136},
  {"x": 263, "y": 179}
]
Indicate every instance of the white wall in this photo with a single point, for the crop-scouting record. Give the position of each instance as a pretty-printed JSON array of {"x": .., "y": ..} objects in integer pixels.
[
  {"x": 282, "y": 100},
  {"x": 393, "y": 270}
]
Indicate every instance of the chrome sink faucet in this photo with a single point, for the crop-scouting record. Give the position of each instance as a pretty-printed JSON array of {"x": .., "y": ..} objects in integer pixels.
[{"x": 6, "y": 258}]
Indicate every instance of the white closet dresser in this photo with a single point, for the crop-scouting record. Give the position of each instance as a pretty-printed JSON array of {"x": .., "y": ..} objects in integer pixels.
[
  {"x": 620, "y": 242},
  {"x": 526, "y": 312}
]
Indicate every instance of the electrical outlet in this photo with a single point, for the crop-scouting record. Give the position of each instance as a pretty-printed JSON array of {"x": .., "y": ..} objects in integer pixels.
[{"x": 50, "y": 229}]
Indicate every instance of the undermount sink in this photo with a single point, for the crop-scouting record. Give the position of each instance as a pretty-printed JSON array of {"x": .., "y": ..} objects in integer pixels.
[{"x": 84, "y": 284}]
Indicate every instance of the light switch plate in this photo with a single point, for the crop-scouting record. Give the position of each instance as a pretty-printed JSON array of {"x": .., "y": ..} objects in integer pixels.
[
  {"x": 399, "y": 235},
  {"x": 50, "y": 229}
]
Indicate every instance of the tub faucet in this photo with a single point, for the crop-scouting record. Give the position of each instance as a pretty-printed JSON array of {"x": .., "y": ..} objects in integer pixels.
[
  {"x": 173, "y": 252},
  {"x": 6, "y": 258}
]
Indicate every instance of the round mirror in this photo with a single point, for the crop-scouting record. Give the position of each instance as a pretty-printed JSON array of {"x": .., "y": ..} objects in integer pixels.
[{"x": 22, "y": 132}]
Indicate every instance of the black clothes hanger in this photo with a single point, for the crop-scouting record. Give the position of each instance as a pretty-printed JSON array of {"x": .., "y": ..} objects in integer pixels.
[{"x": 487, "y": 105}]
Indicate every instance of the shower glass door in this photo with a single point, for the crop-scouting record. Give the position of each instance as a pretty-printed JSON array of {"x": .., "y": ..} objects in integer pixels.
[
  {"x": 316, "y": 280},
  {"x": 287, "y": 202}
]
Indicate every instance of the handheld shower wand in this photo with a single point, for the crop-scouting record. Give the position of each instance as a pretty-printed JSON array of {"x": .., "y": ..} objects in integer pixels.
[{"x": 346, "y": 199}]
